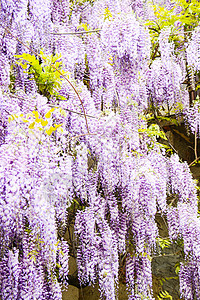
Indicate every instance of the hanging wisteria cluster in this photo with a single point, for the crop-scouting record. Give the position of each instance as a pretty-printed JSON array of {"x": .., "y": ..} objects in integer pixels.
[{"x": 84, "y": 154}]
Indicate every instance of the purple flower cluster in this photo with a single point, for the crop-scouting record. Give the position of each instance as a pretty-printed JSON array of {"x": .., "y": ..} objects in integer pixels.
[
  {"x": 165, "y": 77},
  {"x": 192, "y": 116},
  {"x": 107, "y": 178},
  {"x": 193, "y": 50},
  {"x": 184, "y": 224},
  {"x": 127, "y": 46}
]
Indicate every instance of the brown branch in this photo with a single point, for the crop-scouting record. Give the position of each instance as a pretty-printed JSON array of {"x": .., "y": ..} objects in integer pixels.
[
  {"x": 74, "y": 112},
  {"x": 182, "y": 135},
  {"x": 74, "y": 33},
  {"x": 69, "y": 82},
  {"x": 154, "y": 54},
  {"x": 86, "y": 134},
  {"x": 195, "y": 145},
  {"x": 194, "y": 161}
]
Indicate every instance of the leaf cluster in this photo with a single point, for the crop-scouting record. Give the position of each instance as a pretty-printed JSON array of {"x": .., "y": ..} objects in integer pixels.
[
  {"x": 36, "y": 122},
  {"x": 188, "y": 16},
  {"x": 183, "y": 13},
  {"x": 153, "y": 131},
  {"x": 47, "y": 78},
  {"x": 164, "y": 295},
  {"x": 163, "y": 242}
]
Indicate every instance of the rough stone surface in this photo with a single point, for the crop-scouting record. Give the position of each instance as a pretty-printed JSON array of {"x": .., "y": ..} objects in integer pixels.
[
  {"x": 72, "y": 293},
  {"x": 89, "y": 293},
  {"x": 92, "y": 293},
  {"x": 165, "y": 278}
]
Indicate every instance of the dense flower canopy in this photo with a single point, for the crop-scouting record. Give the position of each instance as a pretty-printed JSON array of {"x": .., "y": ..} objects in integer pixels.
[{"x": 76, "y": 145}]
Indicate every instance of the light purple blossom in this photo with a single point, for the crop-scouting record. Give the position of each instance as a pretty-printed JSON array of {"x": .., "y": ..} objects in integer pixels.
[{"x": 110, "y": 180}]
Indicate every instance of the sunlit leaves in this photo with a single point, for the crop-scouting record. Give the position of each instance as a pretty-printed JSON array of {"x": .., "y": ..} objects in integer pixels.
[
  {"x": 107, "y": 14},
  {"x": 187, "y": 13},
  {"x": 163, "y": 242},
  {"x": 181, "y": 18},
  {"x": 164, "y": 295},
  {"x": 45, "y": 73},
  {"x": 154, "y": 131},
  {"x": 35, "y": 121},
  {"x": 84, "y": 26}
]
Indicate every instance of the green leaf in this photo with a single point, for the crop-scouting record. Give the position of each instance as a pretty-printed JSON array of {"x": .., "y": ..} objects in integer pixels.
[
  {"x": 84, "y": 26},
  {"x": 47, "y": 78},
  {"x": 107, "y": 14},
  {"x": 164, "y": 295},
  {"x": 163, "y": 242},
  {"x": 32, "y": 125}
]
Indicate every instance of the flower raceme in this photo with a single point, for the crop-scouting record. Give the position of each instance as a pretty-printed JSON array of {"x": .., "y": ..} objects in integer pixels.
[{"x": 104, "y": 185}]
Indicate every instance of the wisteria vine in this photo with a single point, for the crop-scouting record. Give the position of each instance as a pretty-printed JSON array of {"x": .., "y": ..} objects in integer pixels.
[{"x": 85, "y": 158}]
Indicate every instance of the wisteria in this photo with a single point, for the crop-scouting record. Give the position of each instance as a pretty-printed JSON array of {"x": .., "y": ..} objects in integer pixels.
[{"x": 85, "y": 165}]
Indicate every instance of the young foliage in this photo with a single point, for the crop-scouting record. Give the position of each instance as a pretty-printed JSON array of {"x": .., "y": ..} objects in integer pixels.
[
  {"x": 164, "y": 243},
  {"x": 47, "y": 78},
  {"x": 164, "y": 295}
]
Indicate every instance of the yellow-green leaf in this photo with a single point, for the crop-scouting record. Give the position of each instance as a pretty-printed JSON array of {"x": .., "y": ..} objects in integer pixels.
[
  {"x": 50, "y": 130},
  {"x": 10, "y": 118},
  {"x": 36, "y": 114},
  {"x": 32, "y": 125},
  {"x": 43, "y": 122},
  {"x": 48, "y": 114},
  {"x": 24, "y": 120},
  {"x": 57, "y": 125}
]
